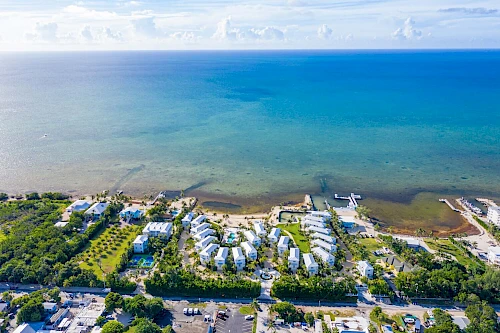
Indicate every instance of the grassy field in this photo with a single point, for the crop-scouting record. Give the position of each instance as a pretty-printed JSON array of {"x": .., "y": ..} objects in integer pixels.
[
  {"x": 108, "y": 248},
  {"x": 371, "y": 245},
  {"x": 246, "y": 310},
  {"x": 446, "y": 246},
  {"x": 301, "y": 241}
]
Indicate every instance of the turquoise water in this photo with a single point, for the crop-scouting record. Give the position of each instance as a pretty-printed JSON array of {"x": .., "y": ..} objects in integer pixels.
[
  {"x": 251, "y": 127},
  {"x": 230, "y": 238}
]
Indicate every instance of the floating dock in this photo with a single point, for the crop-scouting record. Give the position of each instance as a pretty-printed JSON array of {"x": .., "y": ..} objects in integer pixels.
[
  {"x": 450, "y": 205},
  {"x": 352, "y": 199}
]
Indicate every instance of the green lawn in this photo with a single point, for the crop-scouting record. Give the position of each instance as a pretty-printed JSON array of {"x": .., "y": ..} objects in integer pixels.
[
  {"x": 446, "y": 246},
  {"x": 301, "y": 241},
  {"x": 108, "y": 248},
  {"x": 371, "y": 245},
  {"x": 246, "y": 310}
]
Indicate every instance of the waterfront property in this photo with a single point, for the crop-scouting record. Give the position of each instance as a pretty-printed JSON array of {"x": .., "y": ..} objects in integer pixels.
[
  {"x": 315, "y": 219},
  {"x": 200, "y": 227},
  {"x": 78, "y": 206},
  {"x": 274, "y": 234},
  {"x": 250, "y": 251},
  {"x": 96, "y": 210},
  {"x": 259, "y": 229},
  {"x": 131, "y": 212},
  {"x": 310, "y": 263},
  {"x": 494, "y": 255},
  {"x": 141, "y": 244},
  {"x": 324, "y": 231},
  {"x": 158, "y": 229},
  {"x": 324, "y": 255},
  {"x": 283, "y": 245},
  {"x": 220, "y": 258},
  {"x": 204, "y": 242},
  {"x": 494, "y": 215},
  {"x": 324, "y": 245},
  {"x": 230, "y": 235},
  {"x": 326, "y": 238},
  {"x": 252, "y": 238},
  {"x": 198, "y": 220},
  {"x": 327, "y": 216},
  {"x": 142, "y": 261},
  {"x": 294, "y": 259},
  {"x": 186, "y": 220},
  {"x": 204, "y": 233},
  {"x": 347, "y": 221},
  {"x": 206, "y": 253},
  {"x": 412, "y": 243},
  {"x": 298, "y": 237},
  {"x": 365, "y": 269},
  {"x": 316, "y": 224},
  {"x": 238, "y": 258}
]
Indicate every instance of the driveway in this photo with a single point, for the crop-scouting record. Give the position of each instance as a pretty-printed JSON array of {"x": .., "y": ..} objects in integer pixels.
[{"x": 236, "y": 323}]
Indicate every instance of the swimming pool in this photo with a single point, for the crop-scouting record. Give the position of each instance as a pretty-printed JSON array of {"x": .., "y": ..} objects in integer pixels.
[
  {"x": 142, "y": 261},
  {"x": 231, "y": 238}
]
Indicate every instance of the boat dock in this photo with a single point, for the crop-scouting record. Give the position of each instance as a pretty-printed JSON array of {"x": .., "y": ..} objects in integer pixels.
[
  {"x": 352, "y": 199},
  {"x": 450, "y": 205}
]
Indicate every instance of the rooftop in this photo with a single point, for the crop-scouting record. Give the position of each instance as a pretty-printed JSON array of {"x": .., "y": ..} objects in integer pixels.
[
  {"x": 284, "y": 240},
  {"x": 97, "y": 208},
  {"x": 294, "y": 253},
  {"x": 157, "y": 226}
]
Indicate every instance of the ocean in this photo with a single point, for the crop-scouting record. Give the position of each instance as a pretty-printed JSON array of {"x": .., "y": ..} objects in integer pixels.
[{"x": 252, "y": 128}]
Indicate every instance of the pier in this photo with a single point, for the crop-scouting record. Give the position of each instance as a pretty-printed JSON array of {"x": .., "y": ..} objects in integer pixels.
[
  {"x": 352, "y": 199},
  {"x": 450, "y": 205}
]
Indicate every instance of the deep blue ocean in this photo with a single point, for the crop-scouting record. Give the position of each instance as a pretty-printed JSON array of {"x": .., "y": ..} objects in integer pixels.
[{"x": 252, "y": 126}]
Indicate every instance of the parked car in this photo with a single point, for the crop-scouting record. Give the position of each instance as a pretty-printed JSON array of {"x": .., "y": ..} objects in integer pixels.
[
  {"x": 207, "y": 318},
  {"x": 249, "y": 317},
  {"x": 196, "y": 311},
  {"x": 185, "y": 311},
  {"x": 190, "y": 311}
]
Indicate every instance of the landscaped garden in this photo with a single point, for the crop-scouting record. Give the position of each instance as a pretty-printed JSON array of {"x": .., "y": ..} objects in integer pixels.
[
  {"x": 104, "y": 253},
  {"x": 446, "y": 246},
  {"x": 299, "y": 238}
]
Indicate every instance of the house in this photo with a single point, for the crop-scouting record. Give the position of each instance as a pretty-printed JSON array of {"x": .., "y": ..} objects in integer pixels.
[
  {"x": 96, "y": 210},
  {"x": 204, "y": 233},
  {"x": 365, "y": 269},
  {"x": 411, "y": 242},
  {"x": 250, "y": 251},
  {"x": 325, "y": 256},
  {"x": 204, "y": 242},
  {"x": 259, "y": 229},
  {"x": 131, "y": 212},
  {"x": 141, "y": 244},
  {"x": 252, "y": 238},
  {"x": 199, "y": 227},
  {"x": 283, "y": 244},
  {"x": 238, "y": 258},
  {"x": 324, "y": 231},
  {"x": 326, "y": 238},
  {"x": 315, "y": 219},
  {"x": 4, "y": 307},
  {"x": 158, "y": 229},
  {"x": 186, "y": 220},
  {"x": 327, "y": 216},
  {"x": 206, "y": 253},
  {"x": 78, "y": 206},
  {"x": 50, "y": 307},
  {"x": 347, "y": 221},
  {"x": 494, "y": 215},
  {"x": 294, "y": 259},
  {"x": 274, "y": 234},
  {"x": 24, "y": 328},
  {"x": 398, "y": 265},
  {"x": 57, "y": 318},
  {"x": 310, "y": 263},
  {"x": 462, "y": 322},
  {"x": 308, "y": 223},
  {"x": 324, "y": 245},
  {"x": 198, "y": 220},
  {"x": 220, "y": 258},
  {"x": 494, "y": 255}
]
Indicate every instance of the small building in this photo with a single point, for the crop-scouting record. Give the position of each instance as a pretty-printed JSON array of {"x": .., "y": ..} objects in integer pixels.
[
  {"x": 204, "y": 242},
  {"x": 96, "y": 210},
  {"x": 141, "y": 244},
  {"x": 220, "y": 258},
  {"x": 50, "y": 307},
  {"x": 274, "y": 235},
  {"x": 283, "y": 245},
  {"x": 324, "y": 231},
  {"x": 57, "y": 318},
  {"x": 493, "y": 215},
  {"x": 78, "y": 206},
  {"x": 24, "y": 328},
  {"x": 158, "y": 229},
  {"x": 326, "y": 238},
  {"x": 186, "y": 220},
  {"x": 199, "y": 227},
  {"x": 204, "y": 233},
  {"x": 206, "y": 253},
  {"x": 294, "y": 259},
  {"x": 412, "y": 243},
  {"x": 252, "y": 238},
  {"x": 313, "y": 218},
  {"x": 4, "y": 307},
  {"x": 259, "y": 229},
  {"x": 310, "y": 263},
  {"x": 131, "y": 212},
  {"x": 325, "y": 256},
  {"x": 462, "y": 322},
  {"x": 365, "y": 269},
  {"x": 348, "y": 222},
  {"x": 308, "y": 223},
  {"x": 324, "y": 245},
  {"x": 238, "y": 258},
  {"x": 327, "y": 216},
  {"x": 250, "y": 251},
  {"x": 494, "y": 255},
  {"x": 198, "y": 220}
]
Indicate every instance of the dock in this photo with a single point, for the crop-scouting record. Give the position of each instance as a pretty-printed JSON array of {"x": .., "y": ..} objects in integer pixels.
[
  {"x": 352, "y": 199},
  {"x": 450, "y": 205}
]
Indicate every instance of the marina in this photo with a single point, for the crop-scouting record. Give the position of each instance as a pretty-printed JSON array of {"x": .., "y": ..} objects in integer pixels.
[{"x": 453, "y": 208}]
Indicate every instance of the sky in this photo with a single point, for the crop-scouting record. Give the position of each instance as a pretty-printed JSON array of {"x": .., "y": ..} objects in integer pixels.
[{"x": 57, "y": 25}]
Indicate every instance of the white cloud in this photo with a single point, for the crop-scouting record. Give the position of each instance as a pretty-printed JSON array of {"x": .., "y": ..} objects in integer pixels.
[
  {"x": 225, "y": 31},
  {"x": 43, "y": 32},
  {"x": 147, "y": 27},
  {"x": 407, "y": 32},
  {"x": 86, "y": 34},
  {"x": 187, "y": 36},
  {"x": 470, "y": 11},
  {"x": 100, "y": 35},
  {"x": 324, "y": 32}
]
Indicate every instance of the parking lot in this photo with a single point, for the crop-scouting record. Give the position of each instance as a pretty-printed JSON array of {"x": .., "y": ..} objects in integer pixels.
[
  {"x": 182, "y": 323},
  {"x": 234, "y": 323}
]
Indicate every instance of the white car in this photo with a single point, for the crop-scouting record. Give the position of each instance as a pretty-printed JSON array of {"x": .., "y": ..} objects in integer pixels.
[
  {"x": 190, "y": 311},
  {"x": 249, "y": 317},
  {"x": 207, "y": 318},
  {"x": 185, "y": 311},
  {"x": 196, "y": 311}
]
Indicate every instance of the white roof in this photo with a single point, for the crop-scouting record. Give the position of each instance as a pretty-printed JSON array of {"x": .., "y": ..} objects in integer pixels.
[
  {"x": 309, "y": 260},
  {"x": 497, "y": 208},
  {"x": 409, "y": 241},
  {"x": 131, "y": 209},
  {"x": 248, "y": 247},
  {"x": 283, "y": 241},
  {"x": 275, "y": 232},
  {"x": 494, "y": 249},
  {"x": 24, "y": 328},
  {"x": 324, "y": 237},
  {"x": 347, "y": 218},
  {"x": 251, "y": 236},
  {"x": 294, "y": 253},
  {"x": 79, "y": 204},
  {"x": 314, "y": 224},
  {"x": 313, "y": 218},
  {"x": 259, "y": 227},
  {"x": 327, "y": 215},
  {"x": 199, "y": 219},
  {"x": 237, "y": 253},
  {"x": 97, "y": 208},
  {"x": 222, "y": 253},
  {"x": 207, "y": 251},
  {"x": 204, "y": 233},
  {"x": 363, "y": 264},
  {"x": 200, "y": 227},
  {"x": 140, "y": 239},
  {"x": 321, "y": 243},
  {"x": 157, "y": 226},
  {"x": 188, "y": 217},
  {"x": 322, "y": 253},
  {"x": 205, "y": 241},
  {"x": 320, "y": 230}
]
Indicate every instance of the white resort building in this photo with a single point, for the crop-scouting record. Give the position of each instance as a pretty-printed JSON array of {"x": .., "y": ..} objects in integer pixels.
[
  {"x": 308, "y": 223},
  {"x": 494, "y": 215},
  {"x": 252, "y": 238},
  {"x": 274, "y": 235},
  {"x": 141, "y": 244},
  {"x": 158, "y": 229},
  {"x": 259, "y": 229},
  {"x": 186, "y": 220},
  {"x": 494, "y": 255},
  {"x": 315, "y": 219},
  {"x": 324, "y": 231},
  {"x": 203, "y": 243},
  {"x": 238, "y": 258},
  {"x": 325, "y": 256},
  {"x": 200, "y": 227},
  {"x": 294, "y": 259},
  {"x": 220, "y": 258},
  {"x": 310, "y": 263},
  {"x": 96, "y": 210},
  {"x": 206, "y": 253},
  {"x": 365, "y": 269},
  {"x": 250, "y": 251},
  {"x": 78, "y": 206},
  {"x": 204, "y": 233},
  {"x": 324, "y": 245},
  {"x": 198, "y": 220},
  {"x": 283, "y": 245},
  {"x": 327, "y": 216},
  {"x": 326, "y": 238}
]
